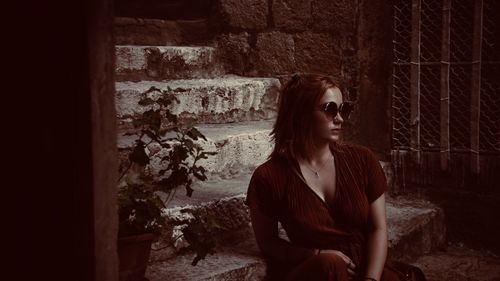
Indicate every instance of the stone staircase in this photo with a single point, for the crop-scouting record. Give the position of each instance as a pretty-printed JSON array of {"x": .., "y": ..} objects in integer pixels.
[{"x": 236, "y": 115}]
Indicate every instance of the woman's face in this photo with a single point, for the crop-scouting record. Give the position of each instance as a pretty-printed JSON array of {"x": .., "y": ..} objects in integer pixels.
[{"x": 326, "y": 126}]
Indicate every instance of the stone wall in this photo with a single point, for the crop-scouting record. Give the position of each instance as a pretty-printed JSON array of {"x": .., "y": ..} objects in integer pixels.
[{"x": 276, "y": 38}]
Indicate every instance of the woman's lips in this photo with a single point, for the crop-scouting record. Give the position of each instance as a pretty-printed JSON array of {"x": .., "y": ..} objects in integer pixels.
[{"x": 336, "y": 131}]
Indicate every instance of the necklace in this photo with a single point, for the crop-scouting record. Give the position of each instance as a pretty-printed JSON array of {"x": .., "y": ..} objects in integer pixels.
[{"x": 316, "y": 173}]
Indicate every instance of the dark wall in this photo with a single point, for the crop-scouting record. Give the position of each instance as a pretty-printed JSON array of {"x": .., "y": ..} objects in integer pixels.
[
  {"x": 62, "y": 141},
  {"x": 163, "y": 9}
]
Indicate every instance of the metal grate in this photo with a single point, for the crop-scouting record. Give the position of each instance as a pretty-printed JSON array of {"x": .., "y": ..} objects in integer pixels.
[
  {"x": 402, "y": 32},
  {"x": 401, "y": 74},
  {"x": 431, "y": 29},
  {"x": 489, "y": 138},
  {"x": 462, "y": 30},
  {"x": 460, "y": 85},
  {"x": 490, "y": 78},
  {"x": 429, "y": 107},
  {"x": 448, "y": 43},
  {"x": 401, "y": 105}
]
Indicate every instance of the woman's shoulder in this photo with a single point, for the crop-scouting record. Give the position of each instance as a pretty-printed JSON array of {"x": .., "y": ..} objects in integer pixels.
[{"x": 269, "y": 168}]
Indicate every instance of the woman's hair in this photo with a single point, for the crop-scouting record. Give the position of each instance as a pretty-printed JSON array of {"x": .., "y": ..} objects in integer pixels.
[{"x": 293, "y": 130}]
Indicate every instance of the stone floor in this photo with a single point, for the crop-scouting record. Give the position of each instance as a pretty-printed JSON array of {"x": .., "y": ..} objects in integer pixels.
[
  {"x": 458, "y": 262},
  {"x": 472, "y": 231}
]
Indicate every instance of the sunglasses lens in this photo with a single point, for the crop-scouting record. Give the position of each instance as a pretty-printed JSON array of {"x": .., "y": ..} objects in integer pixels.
[
  {"x": 331, "y": 109},
  {"x": 345, "y": 110}
]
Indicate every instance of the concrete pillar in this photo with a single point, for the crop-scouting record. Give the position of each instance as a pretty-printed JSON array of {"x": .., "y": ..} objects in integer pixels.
[
  {"x": 103, "y": 137},
  {"x": 375, "y": 69}
]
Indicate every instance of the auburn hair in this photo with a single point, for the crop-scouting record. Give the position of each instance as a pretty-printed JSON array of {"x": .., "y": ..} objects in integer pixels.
[{"x": 293, "y": 133}]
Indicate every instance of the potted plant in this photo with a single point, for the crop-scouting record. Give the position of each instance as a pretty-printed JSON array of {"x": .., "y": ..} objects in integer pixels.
[{"x": 144, "y": 191}]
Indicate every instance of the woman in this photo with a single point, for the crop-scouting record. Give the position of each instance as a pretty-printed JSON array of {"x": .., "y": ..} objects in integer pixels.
[{"x": 327, "y": 195}]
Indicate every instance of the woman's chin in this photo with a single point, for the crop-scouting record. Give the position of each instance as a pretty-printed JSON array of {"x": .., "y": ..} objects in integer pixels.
[
  {"x": 331, "y": 137},
  {"x": 334, "y": 137}
]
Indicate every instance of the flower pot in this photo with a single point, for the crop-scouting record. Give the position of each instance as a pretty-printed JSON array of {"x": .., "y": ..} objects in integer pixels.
[{"x": 133, "y": 255}]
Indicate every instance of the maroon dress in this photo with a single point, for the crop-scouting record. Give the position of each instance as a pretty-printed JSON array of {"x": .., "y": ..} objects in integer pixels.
[{"x": 277, "y": 190}]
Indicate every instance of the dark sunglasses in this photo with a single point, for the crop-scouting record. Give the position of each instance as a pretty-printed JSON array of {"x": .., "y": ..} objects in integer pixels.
[{"x": 331, "y": 109}]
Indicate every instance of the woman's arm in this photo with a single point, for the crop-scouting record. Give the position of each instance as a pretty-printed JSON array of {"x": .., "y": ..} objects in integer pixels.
[
  {"x": 377, "y": 239},
  {"x": 271, "y": 245}
]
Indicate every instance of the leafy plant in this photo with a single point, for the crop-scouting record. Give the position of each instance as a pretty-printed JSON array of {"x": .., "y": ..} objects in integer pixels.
[
  {"x": 202, "y": 233},
  {"x": 143, "y": 191}
]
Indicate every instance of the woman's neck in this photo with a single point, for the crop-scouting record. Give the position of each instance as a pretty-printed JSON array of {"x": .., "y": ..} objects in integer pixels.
[{"x": 320, "y": 153}]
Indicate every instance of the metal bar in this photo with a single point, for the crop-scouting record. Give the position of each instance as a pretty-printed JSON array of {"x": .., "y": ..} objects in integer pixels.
[
  {"x": 476, "y": 85},
  {"x": 445, "y": 87},
  {"x": 415, "y": 81}
]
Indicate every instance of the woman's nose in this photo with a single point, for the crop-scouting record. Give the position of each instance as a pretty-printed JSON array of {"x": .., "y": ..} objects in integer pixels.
[{"x": 338, "y": 118}]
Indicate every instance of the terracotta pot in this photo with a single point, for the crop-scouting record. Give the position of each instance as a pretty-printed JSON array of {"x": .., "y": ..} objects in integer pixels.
[{"x": 133, "y": 255}]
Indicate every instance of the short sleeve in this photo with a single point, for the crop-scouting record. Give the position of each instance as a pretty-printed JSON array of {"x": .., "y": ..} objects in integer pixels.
[
  {"x": 376, "y": 181},
  {"x": 259, "y": 194}
]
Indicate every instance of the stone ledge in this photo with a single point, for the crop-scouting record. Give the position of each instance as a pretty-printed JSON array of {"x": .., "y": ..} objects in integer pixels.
[
  {"x": 240, "y": 147},
  {"x": 135, "y": 63},
  {"x": 220, "y": 100},
  {"x": 417, "y": 227},
  {"x": 224, "y": 265}
]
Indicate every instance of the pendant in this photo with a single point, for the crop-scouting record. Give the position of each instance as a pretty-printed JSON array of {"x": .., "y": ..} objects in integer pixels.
[{"x": 316, "y": 173}]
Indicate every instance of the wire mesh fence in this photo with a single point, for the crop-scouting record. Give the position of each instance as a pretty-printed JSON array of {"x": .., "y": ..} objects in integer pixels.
[
  {"x": 446, "y": 83},
  {"x": 490, "y": 79},
  {"x": 460, "y": 47}
]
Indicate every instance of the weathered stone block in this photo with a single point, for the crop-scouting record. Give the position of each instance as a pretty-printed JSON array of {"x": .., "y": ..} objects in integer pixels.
[
  {"x": 135, "y": 63},
  {"x": 150, "y": 32},
  {"x": 248, "y": 14},
  {"x": 145, "y": 32},
  {"x": 292, "y": 15},
  {"x": 338, "y": 16},
  {"x": 274, "y": 53},
  {"x": 240, "y": 148},
  {"x": 220, "y": 100},
  {"x": 415, "y": 227},
  {"x": 317, "y": 52},
  {"x": 233, "y": 50}
]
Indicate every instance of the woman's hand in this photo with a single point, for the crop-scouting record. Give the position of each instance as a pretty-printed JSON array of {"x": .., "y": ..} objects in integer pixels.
[{"x": 350, "y": 265}]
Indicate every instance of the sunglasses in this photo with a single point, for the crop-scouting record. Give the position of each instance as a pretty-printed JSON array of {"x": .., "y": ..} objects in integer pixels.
[{"x": 331, "y": 109}]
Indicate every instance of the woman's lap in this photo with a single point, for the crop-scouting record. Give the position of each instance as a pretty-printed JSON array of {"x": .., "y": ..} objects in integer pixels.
[
  {"x": 328, "y": 266},
  {"x": 324, "y": 266}
]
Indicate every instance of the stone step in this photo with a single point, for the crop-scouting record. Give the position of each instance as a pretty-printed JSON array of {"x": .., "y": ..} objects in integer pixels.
[
  {"x": 158, "y": 32},
  {"x": 226, "y": 264},
  {"x": 209, "y": 191},
  {"x": 240, "y": 147},
  {"x": 135, "y": 63},
  {"x": 415, "y": 228},
  {"x": 219, "y": 100}
]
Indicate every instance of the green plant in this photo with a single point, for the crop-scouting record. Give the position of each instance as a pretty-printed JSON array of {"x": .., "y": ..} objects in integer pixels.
[{"x": 144, "y": 192}]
